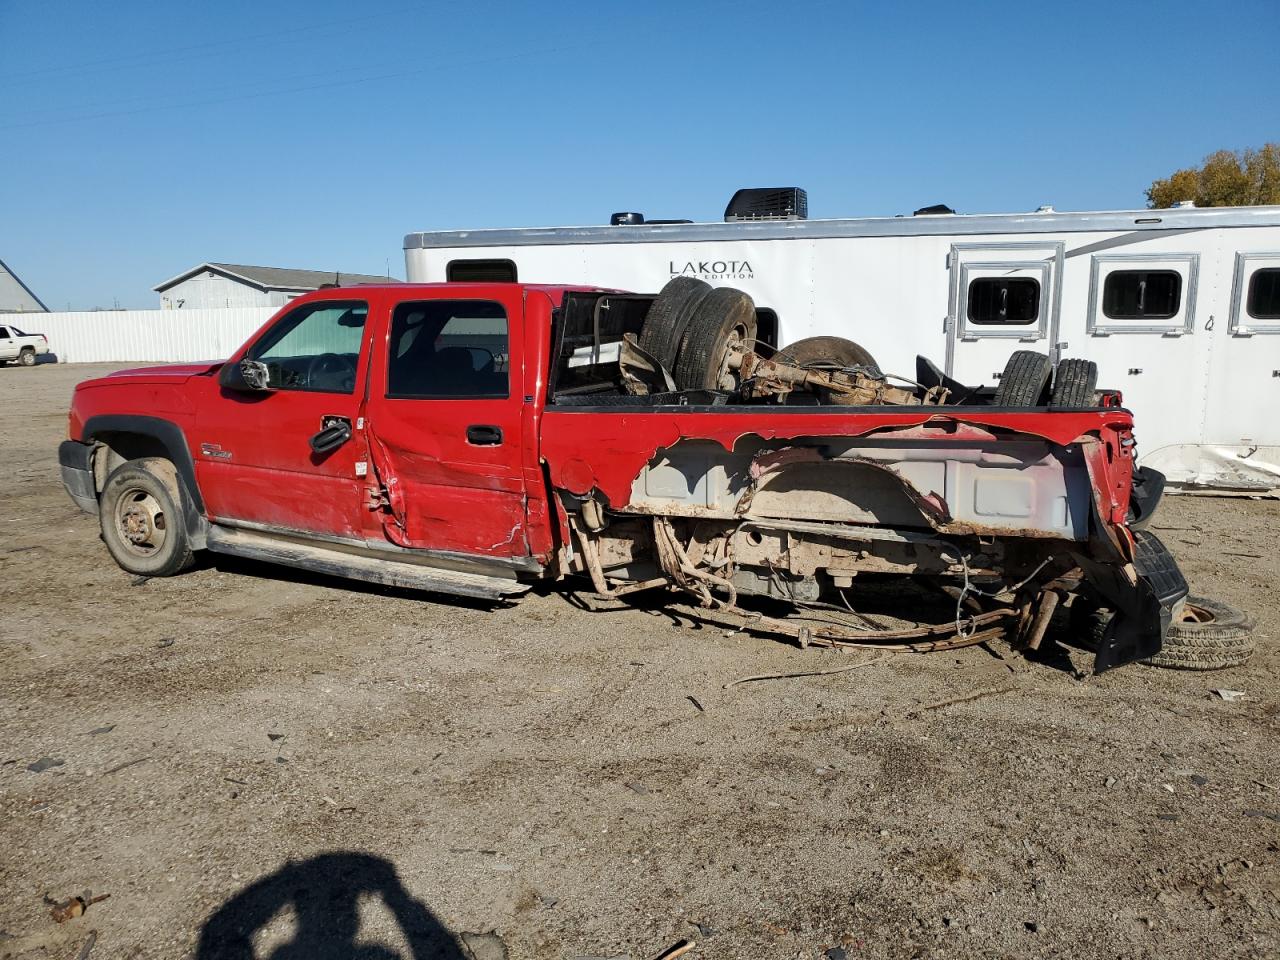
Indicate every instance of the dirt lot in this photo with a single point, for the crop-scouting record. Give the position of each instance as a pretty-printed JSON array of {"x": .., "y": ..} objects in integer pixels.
[{"x": 247, "y": 756}]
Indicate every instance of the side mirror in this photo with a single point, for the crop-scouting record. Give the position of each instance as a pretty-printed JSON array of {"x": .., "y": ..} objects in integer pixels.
[{"x": 247, "y": 375}]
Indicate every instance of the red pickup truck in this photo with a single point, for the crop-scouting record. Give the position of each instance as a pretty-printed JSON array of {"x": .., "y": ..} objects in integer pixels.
[{"x": 472, "y": 438}]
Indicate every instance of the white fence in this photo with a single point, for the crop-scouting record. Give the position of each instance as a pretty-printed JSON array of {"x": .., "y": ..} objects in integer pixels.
[{"x": 125, "y": 335}]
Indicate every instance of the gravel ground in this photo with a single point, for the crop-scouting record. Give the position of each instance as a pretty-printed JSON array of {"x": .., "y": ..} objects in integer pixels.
[{"x": 251, "y": 758}]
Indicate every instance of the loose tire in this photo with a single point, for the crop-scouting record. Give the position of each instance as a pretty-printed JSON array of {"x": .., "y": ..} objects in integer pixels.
[
  {"x": 1024, "y": 380},
  {"x": 724, "y": 322},
  {"x": 1211, "y": 635},
  {"x": 1074, "y": 384},
  {"x": 143, "y": 526},
  {"x": 668, "y": 317},
  {"x": 27, "y": 357},
  {"x": 826, "y": 352}
]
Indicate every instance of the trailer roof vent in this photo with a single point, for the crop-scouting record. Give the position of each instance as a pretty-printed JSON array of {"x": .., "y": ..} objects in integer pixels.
[
  {"x": 625, "y": 219},
  {"x": 937, "y": 210},
  {"x": 768, "y": 203},
  {"x": 1045, "y": 208},
  {"x": 1184, "y": 205}
]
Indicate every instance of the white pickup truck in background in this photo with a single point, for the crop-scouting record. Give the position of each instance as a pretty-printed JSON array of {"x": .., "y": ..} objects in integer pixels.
[{"x": 23, "y": 347}]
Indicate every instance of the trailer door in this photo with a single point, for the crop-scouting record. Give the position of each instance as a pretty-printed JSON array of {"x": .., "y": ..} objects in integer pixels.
[
  {"x": 1004, "y": 297},
  {"x": 1141, "y": 330},
  {"x": 1241, "y": 430}
]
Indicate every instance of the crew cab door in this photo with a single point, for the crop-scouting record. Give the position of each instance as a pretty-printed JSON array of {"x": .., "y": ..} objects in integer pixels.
[
  {"x": 254, "y": 460},
  {"x": 8, "y": 344},
  {"x": 444, "y": 420}
]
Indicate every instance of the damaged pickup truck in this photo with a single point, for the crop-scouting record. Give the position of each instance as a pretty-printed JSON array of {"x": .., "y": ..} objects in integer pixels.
[{"x": 473, "y": 438}]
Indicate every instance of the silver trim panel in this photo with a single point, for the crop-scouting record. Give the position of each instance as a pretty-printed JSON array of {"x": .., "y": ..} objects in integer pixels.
[
  {"x": 1189, "y": 261},
  {"x": 960, "y": 225},
  {"x": 1237, "y": 326}
]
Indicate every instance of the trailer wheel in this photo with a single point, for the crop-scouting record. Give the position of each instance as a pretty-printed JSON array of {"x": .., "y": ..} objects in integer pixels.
[
  {"x": 668, "y": 318},
  {"x": 1024, "y": 380},
  {"x": 1209, "y": 635},
  {"x": 723, "y": 324},
  {"x": 826, "y": 352},
  {"x": 1075, "y": 384}
]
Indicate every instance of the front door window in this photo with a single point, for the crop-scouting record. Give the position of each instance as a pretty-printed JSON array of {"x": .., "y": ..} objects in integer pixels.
[{"x": 314, "y": 348}]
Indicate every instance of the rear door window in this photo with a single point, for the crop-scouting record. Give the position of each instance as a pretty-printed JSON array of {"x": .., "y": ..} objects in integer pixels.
[
  {"x": 1003, "y": 301},
  {"x": 448, "y": 349}
]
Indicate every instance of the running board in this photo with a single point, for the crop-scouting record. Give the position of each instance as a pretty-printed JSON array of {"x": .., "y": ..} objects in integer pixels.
[{"x": 337, "y": 563}]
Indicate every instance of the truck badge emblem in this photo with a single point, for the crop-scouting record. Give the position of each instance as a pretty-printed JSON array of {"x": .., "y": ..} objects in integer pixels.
[{"x": 215, "y": 451}]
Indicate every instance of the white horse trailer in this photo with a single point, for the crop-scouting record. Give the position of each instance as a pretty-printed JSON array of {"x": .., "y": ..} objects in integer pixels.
[{"x": 1179, "y": 308}]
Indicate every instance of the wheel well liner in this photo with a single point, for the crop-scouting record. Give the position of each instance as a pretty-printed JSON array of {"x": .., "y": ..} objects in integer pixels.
[{"x": 133, "y": 437}]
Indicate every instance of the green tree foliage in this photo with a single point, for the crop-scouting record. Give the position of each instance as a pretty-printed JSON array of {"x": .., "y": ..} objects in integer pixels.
[{"x": 1241, "y": 178}]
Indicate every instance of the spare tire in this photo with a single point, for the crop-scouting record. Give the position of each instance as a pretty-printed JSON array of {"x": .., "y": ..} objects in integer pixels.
[
  {"x": 1024, "y": 380},
  {"x": 1210, "y": 635},
  {"x": 668, "y": 317},
  {"x": 826, "y": 352},
  {"x": 722, "y": 323},
  {"x": 1075, "y": 384}
]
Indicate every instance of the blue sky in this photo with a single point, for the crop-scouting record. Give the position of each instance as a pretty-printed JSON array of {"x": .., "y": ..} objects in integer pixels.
[{"x": 138, "y": 139}]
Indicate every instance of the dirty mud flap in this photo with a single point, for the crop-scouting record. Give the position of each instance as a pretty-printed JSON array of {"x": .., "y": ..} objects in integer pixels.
[
  {"x": 76, "y": 462},
  {"x": 1144, "y": 609}
]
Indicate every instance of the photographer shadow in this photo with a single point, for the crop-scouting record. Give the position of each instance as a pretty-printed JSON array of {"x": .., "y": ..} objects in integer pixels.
[{"x": 324, "y": 893}]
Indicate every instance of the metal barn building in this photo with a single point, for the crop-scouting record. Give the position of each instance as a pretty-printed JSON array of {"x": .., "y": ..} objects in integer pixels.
[
  {"x": 16, "y": 296},
  {"x": 221, "y": 285}
]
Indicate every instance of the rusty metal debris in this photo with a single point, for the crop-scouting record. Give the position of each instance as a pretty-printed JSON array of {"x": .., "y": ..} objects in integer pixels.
[
  {"x": 916, "y": 639},
  {"x": 676, "y": 950},
  {"x": 74, "y": 907},
  {"x": 807, "y": 673},
  {"x": 88, "y": 945},
  {"x": 967, "y": 698},
  {"x": 850, "y": 387}
]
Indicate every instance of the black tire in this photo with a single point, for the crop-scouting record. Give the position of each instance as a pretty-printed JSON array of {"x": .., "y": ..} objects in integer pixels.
[
  {"x": 143, "y": 526},
  {"x": 1024, "y": 380},
  {"x": 724, "y": 320},
  {"x": 668, "y": 317},
  {"x": 27, "y": 357},
  {"x": 1212, "y": 635},
  {"x": 1075, "y": 384},
  {"x": 826, "y": 352}
]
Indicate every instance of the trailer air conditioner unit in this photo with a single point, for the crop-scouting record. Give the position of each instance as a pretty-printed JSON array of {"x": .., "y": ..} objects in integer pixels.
[{"x": 768, "y": 203}]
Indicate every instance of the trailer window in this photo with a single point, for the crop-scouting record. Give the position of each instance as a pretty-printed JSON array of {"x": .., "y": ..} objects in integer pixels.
[
  {"x": 1264, "y": 294},
  {"x": 442, "y": 349},
  {"x": 999, "y": 301},
  {"x": 480, "y": 271},
  {"x": 1142, "y": 294}
]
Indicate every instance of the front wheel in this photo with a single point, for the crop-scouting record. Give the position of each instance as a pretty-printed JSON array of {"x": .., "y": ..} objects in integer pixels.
[{"x": 142, "y": 521}]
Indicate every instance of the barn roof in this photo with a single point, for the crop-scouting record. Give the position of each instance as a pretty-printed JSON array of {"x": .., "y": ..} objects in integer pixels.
[
  {"x": 275, "y": 278},
  {"x": 16, "y": 296}
]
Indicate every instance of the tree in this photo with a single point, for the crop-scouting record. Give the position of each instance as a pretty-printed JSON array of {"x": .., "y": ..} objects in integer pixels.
[{"x": 1241, "y": 178}]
